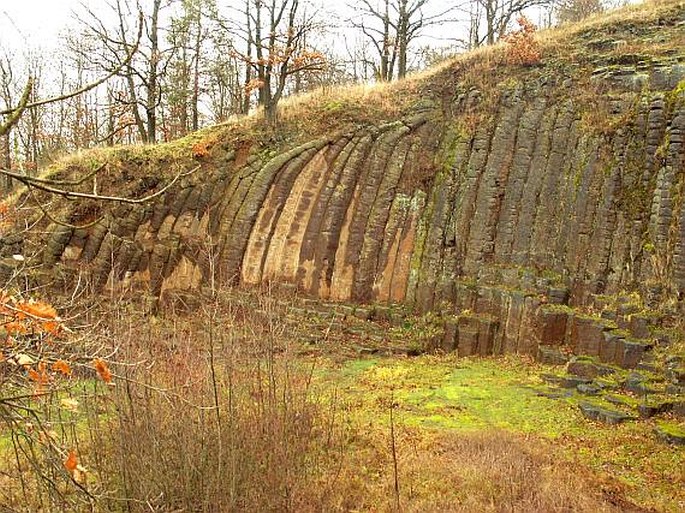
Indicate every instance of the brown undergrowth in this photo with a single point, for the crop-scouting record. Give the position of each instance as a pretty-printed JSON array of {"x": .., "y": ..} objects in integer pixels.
[{"x": 216, "y": 411}]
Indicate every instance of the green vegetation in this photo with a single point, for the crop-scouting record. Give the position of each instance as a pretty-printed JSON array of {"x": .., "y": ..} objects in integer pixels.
[
  {"x": 470, "y": 434},
  {"x": 437, "y": 396}
]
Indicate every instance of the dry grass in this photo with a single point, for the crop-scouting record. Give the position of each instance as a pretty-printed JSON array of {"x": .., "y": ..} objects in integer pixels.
[
  {"x": 491, "y": 471},
  {"x": 645, "y": 12},
  {"x": 215, "y": 413},
  {"x": 567, "y": 40},
  {"x": 332, "y": 110}
]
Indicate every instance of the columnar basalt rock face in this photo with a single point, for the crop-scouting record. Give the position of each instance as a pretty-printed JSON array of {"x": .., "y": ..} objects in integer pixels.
[{"x": 499, "y": 203}]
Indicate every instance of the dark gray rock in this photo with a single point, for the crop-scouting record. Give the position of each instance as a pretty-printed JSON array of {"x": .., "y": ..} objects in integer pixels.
[
  {"x": 550, "y": 355},
  {"x": 647, "y": 410},
  {"x": 676, "y": 376},
  {"x": 639, "y": 326},
  {"x": 574, "y": 381},
  {"x": 605, "y": 415},
  {"x": 631, "y": 352},
  {"x": 588, "y": 369},
  {"x": 670, "y": 437},
  {"x": 637, "y": 383},
  {"x": 589, "y": 389}
]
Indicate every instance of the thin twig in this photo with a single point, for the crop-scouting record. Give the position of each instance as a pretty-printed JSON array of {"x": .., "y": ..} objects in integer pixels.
[
  {"x": 29, "y": 182},
  {"x": 62, "y": 223}
]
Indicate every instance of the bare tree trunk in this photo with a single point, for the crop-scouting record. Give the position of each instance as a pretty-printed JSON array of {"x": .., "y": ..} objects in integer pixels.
[
  {"x": 6, "y": 160},
  {"x": 490, "y": 13},
  {"x": 386, "y": 70},
  {"x": 130, "y": 82},
  {"x": 402, "y": 39},
  {"x": 259, "y": 51},
  {"x": 196, "y": 78},
  {"x": 245, "y": 108},
  {"x": 152, "y": 79}
]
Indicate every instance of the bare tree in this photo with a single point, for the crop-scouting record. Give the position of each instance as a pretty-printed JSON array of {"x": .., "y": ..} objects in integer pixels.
[
  {"x": 275, "y": 48},
  {"x": 30, "y": 103},
  {"x": 392, "y": 26},
  {"x": 182, "y": 86},
  {"x": 7, "y": 94},
  {"x": 497, "y": 15},
  {"x": 108, "y": 46}
]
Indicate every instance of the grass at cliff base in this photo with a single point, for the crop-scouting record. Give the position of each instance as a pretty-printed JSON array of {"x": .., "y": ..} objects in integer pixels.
[
  {"x": 307, "y": 427},
  {"x": 492, "y": 410}
]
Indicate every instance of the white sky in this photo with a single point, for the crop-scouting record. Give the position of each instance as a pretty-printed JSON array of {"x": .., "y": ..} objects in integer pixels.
[{"x": 37, "y": 24}]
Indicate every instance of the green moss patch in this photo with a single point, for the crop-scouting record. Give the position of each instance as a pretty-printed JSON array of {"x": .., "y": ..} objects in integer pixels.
[{"x": 446, "y": 395}]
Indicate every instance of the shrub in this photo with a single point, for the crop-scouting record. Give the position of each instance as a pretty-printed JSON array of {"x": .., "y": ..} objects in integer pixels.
[
  {"x": 40, "y": 364},
  {"x": 522, "y": 48},
  {"x": 196, "y": 417}
]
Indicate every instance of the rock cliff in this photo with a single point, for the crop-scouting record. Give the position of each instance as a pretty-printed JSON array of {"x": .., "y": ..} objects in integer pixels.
[{"x": 528, "y": 202}]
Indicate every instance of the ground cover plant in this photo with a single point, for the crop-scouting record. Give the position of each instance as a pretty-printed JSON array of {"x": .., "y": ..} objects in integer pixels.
[{"x": 230, "y": 409}]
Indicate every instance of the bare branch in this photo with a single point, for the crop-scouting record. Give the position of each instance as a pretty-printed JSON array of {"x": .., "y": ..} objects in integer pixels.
[
  {"x": 60, "y": 183},
  {"x": 32, "y": 183},
  {"x": 87, "y": 87},
  {"x": 18, "y": 110},
  {"x": 47, "y": 214}
]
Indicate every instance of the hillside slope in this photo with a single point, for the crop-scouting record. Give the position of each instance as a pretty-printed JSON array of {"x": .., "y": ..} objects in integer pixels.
[{"x": 505, "y": 192}]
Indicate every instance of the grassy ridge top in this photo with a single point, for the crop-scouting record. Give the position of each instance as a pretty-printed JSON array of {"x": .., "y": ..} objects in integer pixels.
[{"x": 653, "y": 30}]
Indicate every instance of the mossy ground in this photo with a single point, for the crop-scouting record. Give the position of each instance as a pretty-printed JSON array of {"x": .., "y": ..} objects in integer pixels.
[
  {"x": 435, "y": 396},
  {"x": 472, "y": 434}
]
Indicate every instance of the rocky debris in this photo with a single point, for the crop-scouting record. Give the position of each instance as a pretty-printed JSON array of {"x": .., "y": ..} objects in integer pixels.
[
  {"x": 619, "y": 400},
  {"x": 671, "y": 436},
  {"x": 675, "y": 371},
  {"x": 639, "y": 326},
  {"x": 588, "y": 369},
  {"x": 638, "y": 384},
  {"x": 552, "y": 379},
  {"x": 554, "y": 393},
  {"x": 647, "y": 410},
  {"x": 574, "y": 382},
  {"x": 589, "y": 389},
  {"x": 551, "y": 356},
  {"x": 635, "y": 395},
  {"x": 632, "y": 72},
  {"x": 603, "y": 414},
  {"x": 632, "y": 351}
]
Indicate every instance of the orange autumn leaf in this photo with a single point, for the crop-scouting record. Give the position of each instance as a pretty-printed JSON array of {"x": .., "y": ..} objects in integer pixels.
[
  {"x": 15, "y": 328},
  {"x": 200, "y": 149},
  {"x": 39, "y": 376},
  {"x": 4, "y": 301},
  {"x": 62, "y": 367},
  {"x": 51, "y": 327},
  {"x": 71, "y": 462},
  {"x": 103, "y": 370},
  {"x": 37, "y": 309}
]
